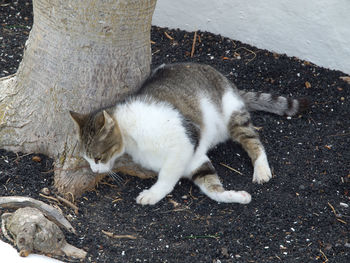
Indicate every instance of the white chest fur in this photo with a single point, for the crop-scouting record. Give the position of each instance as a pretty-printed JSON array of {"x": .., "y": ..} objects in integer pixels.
[{"x": 151, "y": 132}]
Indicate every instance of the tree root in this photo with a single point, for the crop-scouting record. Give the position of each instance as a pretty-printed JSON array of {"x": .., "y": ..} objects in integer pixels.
[
  {"x": 49, "y": 211},
  {"x": 33, "y": 232},
  {"x": 73, "y": 182},
  {"x": 72, "y": 251}
]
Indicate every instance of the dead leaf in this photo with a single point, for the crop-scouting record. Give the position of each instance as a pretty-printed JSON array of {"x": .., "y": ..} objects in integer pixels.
[
  {"x": 174, "y": 203},
  {"x": 36, "y": 159},
  {"x": 307, "y": 84},
  {"x": 346, "y": 79},
  {"x": 275, "y": 55}
]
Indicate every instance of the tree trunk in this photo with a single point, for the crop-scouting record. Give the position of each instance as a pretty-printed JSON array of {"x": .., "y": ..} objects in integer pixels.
[{"x": 80, "y": 55}]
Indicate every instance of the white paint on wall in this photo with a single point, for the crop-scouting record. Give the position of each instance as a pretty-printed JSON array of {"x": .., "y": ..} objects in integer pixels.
[{"x": 313, "y": 30}]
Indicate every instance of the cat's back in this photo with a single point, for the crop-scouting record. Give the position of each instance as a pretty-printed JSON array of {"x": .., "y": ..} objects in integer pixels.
[
  {"x": 184, "y": 79},
  {"x": 184, "y": 85}
]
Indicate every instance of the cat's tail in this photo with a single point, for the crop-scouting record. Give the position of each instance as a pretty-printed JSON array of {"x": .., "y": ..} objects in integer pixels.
[{"x": 258, "y": 101}]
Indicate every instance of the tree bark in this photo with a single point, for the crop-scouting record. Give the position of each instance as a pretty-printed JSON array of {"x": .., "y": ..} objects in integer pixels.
[{"x": 80, "y": 55}]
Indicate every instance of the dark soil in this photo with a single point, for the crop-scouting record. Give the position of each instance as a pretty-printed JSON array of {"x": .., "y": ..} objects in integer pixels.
[{"x": 301, "y": 215}]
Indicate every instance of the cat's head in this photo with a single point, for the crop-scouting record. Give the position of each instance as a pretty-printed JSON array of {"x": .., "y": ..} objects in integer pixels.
[{"x": 101, "y": 141}]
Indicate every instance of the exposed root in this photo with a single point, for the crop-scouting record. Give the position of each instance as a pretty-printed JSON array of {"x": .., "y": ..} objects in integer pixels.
[
  {"x": 3, "y": 227},
  {"x": 34, "y": 233},
  {"x": 72, "y": 251},
  {"x": 49, "y": 211},
  {"x": 76, "y": 181}
]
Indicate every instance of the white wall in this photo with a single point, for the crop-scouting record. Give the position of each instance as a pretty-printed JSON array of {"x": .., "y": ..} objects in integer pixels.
[{"x": 313, "y": 30}]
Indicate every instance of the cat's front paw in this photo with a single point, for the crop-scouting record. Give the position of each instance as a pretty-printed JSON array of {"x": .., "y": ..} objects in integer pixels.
[
  {"x": 262, "y": 171},
  {"x": 245, "y": 197},
  {"x": 148, "y": 197}
]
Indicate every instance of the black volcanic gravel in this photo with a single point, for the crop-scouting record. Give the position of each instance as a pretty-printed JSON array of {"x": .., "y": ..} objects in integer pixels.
[{"x": 290, "y": 218}]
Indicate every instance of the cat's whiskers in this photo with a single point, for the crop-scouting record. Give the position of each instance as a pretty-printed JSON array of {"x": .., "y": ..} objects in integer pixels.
[{"x": 116, "y": 177}]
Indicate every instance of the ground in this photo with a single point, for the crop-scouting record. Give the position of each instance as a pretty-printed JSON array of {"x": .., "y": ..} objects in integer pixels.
[{"x": 301, "y": 215}]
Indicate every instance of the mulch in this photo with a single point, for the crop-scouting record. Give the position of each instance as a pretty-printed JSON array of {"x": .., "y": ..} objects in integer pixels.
[{"x": 301, "y": 215}]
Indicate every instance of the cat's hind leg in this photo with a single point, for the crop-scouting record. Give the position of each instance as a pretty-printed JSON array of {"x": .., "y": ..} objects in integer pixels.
[
  {"x": 206, "y": 178},
  {"x": 242, "y": 131}
]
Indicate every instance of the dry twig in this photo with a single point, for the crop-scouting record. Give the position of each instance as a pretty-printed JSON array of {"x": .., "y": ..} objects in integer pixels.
[
  {"x": 112, "y": 235},
  {"x": 324, "y": 256},
  {"x": 195, "y": 198},
  {"x": 117, "y": 200},
  {"x": 49, "y": 197},
  {"x": 168, "y": 36},
  {"x": 250, "y": 51},
  {"x": 230, "y": 168},
  {"x": 194, "y": 43},
  {"x": 68, "y": 203},
  {"x": 335, "y": 213},
  {"x": 342, "y": 221}
]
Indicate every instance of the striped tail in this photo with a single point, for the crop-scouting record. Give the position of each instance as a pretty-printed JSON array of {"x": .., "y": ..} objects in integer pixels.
[{"x": 257, "y": 101}]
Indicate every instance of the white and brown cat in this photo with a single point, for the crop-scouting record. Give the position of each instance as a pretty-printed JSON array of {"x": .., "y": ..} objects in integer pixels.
[{"x": 168, "y": 126}]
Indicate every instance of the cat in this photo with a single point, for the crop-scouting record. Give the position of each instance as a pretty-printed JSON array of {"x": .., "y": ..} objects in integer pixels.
[{"x": 178, "y": 114}]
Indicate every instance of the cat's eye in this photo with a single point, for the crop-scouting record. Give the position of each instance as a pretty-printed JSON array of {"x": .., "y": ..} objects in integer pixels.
[{"x": 97, "y": 160}]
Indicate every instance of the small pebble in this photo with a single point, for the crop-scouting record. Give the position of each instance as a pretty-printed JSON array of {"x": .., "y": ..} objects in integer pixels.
[
  {"x": 45, "y": 191},
  {"x": 328, "y": 247},
  {"x": 344, "y": 205}
]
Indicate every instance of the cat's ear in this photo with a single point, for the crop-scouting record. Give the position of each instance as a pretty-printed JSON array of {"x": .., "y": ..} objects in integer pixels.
[
  {"x": 108, "y": 120},
  {"x": 103, "y": 122},
  {"x": 78, "y": 118}
]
